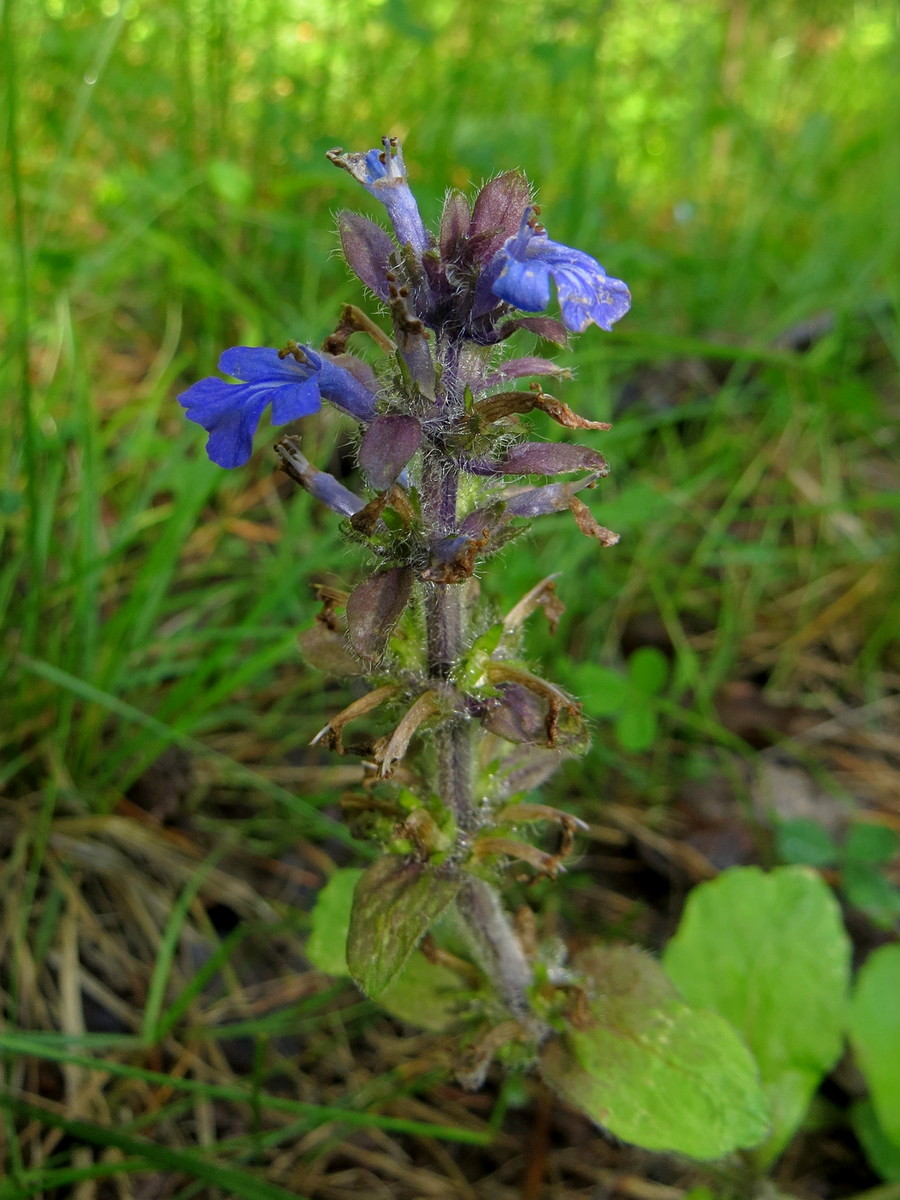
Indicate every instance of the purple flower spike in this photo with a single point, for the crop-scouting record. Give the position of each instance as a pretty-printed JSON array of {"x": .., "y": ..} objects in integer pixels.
[
  {"x": 292, "y": 383},
  {"x": 383, "y": 174},
  {"x": 586, "y": 293}
]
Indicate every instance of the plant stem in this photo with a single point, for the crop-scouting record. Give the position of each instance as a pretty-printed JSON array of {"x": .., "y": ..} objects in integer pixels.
[
  {"x": 445, "y": 637},
  {"x": 495, "y": 940},
  {"x": 497, "y": 946}
]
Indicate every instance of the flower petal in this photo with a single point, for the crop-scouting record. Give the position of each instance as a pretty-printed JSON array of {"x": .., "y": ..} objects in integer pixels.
[
  {"x": 524, "y": 285},
  {"x": 383, "y": 174},
  {"x": 586, "y": 293},
  {"x": 254, "y": 363},
  {"x": 293, "y": 400},
  {"x": 229, "y": 413}
]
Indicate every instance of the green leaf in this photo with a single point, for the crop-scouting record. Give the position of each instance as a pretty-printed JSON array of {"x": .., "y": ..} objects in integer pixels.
[
  {"x": 805, "y": 842},
  {"x": 652, "y": 1070},
  {"x": 648, "y": 670},
  {"x": 870, "y": 843},
  {"x": 770, "y": 953},
  {"x": 875, "y": 1034},
  {"x": 395, "y": 903},
  {"x": 882, "y": 1153},
  {"x": 602, "y": 691},
  {"x": 423, "y": 993},
  {"x": 326, "y": 947},
  {"x": 426, "y": 994},
  {"x": 636, "y": 725},
  {"x": 866, "y": 887}
]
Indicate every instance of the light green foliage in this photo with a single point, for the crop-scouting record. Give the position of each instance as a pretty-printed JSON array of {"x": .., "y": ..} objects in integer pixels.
[
  {"x": 875, "y": 1034},
  {"x": 395, "y": 903},
  {"x": 628, "y": 698},
  {"x": 650, "y": 1068},
  {"x": 423, "y": 993},
  {"x": 770, "y": 953}
]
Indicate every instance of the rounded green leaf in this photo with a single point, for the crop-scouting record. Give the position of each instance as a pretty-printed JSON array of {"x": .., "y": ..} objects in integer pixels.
[
  {"x": 648, "y": 669},
  {"x": 869, "y": 843},
  {"x": 770, "y": 953},
  {"x": 602, "y": 691},
  {"x": 806, "y": 842},
  {"x": 875, "y": 1034},
  {"x": 652, "y": 1070}
]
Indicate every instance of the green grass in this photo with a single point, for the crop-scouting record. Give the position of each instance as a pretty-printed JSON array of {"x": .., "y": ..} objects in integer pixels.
[{"x": 169, "y": 197}]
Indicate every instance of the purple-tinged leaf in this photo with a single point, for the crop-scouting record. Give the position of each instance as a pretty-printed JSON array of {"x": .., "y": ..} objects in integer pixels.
[
  {"x": 525, "y": 769},
  {"x": 388, "y": 445},
  {"x": 540, "y": 501},
  {"x": 491, "y": 517},
  {"x": 518, "y": 368},
  {"x": 562, "y": 724},
  {"x": 368, "y": 249},
  {"x": 498, "y": 212},
  {"x": 326, "y": 649},
  {"x": 454, "y": 224},
  {"x": 518, "y": 715},
  {"x": 395, "y": 904},
  {"x": 547, "y": 328},
  {"x": 359, "y": 369},
  {"x": 541, "y": 458},
  {"x": 373, "y": 609}
]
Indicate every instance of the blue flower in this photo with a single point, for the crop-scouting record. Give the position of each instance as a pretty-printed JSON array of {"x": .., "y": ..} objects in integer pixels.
[
  {"x": 528, "y": 261},
  {"x": 383, "y": 174},
  {"x": 292, "y": 381}
]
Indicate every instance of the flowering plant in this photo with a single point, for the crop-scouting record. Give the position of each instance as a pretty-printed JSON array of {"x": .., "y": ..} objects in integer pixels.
[{"x": 471, "y": 730}]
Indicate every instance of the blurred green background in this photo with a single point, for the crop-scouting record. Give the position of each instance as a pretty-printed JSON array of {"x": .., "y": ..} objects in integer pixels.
[{"x": 168, "y": 196}]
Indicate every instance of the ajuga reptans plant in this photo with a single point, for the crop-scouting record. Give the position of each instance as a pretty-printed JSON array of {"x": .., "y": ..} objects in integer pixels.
[{"x": 449, "y": 476}]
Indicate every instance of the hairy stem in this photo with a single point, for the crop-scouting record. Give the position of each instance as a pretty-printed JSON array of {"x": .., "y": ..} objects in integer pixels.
[
  {"x": 445, "y": 634},
  {"x": 497, "y": 946},
  {"x": 495, "y": 941}
]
